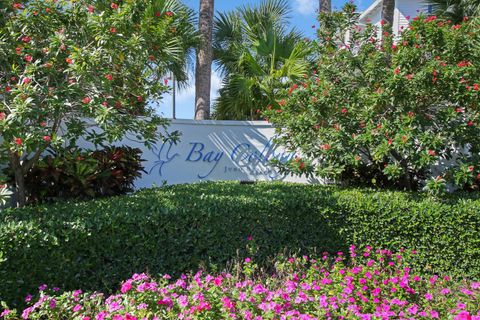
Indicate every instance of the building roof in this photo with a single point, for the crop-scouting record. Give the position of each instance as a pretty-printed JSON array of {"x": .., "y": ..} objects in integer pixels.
[{"x": 376, "y": 4}]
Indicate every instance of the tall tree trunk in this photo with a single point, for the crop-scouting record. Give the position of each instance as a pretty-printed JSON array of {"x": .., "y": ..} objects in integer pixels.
[
  {"x": 16, "y": 166},
  {"x": 325, "y": 6},
  {"x": 203, "y": 72},
  {"x": 388, "y": 10}
]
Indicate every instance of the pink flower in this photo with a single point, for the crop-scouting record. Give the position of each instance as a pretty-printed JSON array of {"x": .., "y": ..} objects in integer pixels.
[
  {"x": 26, "y": 80},
  {"x": 47, "y": 138},
  {"x": 127, "y": 286},
  {"x": 428, "y": 296},
  {"x": 464, "y": 315},
  {"x": 86, "y": 100},
  {"x": 109, "y": 77},
  {"x": 77, "y": 308},
  {"x": 114, "y": 6},
  {"x": 248, "y": 260},
  {"x": 90, "y": 9}
]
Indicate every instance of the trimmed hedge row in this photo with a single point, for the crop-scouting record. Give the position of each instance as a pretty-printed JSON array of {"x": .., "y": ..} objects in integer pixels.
[{"x": 95, "y": 245}]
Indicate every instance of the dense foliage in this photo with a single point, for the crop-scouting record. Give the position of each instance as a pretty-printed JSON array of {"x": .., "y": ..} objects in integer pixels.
[
  {"x": 388, "y": 113},
  {"x": 82, "y": 174},
  {"x": 256, "y": 51},
  {"x": 65, "y": 61},
  {"x": 455, "y": 10},
  {"x": 372, "y": 284},
  {"x": 97, "y": 244}
]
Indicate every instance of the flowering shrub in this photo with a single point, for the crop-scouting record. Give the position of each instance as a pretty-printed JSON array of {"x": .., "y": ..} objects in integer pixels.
[
  {"x": 65, "y": 61},
  {"x": 382, "y": 111},
  {"x": 370, "y": 285}
]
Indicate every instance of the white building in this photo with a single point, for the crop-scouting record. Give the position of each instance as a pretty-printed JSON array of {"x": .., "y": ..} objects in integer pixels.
[{"x": 405, "y": 10}]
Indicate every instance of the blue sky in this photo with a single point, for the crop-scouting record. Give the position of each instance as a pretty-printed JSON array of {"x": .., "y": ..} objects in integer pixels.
[{"x": 303, "y": 17}]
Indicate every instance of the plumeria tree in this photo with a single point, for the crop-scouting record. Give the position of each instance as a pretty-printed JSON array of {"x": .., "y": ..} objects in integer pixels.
[
  {"x": 388, "y": 112},
  {"x": 63, "y": 62}
]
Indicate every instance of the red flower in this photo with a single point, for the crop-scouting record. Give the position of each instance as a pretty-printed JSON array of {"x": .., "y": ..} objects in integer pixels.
[
  {"x": 325, "y": 146},
  {"x": 27, "y": 80},
  {"x": 302, "y": 165},
  {"x": 279, "y": 111},
  {"x": 432, "y": 153},
  {"x": 114, "y": 6},
  {"x": 471, "y": 168},
  {"x": 382, "y": 22},
  {"x": 282, "y": 102},
  {"x": 478, "y": 176},
  {"x": 17, "y": 6},
  {"x": 18, "y": 141},
  {"x": 464, "y": 63},
  {"x": 43, "y": 124},
  {"x": 459, "y": 110},
  {"x": 47, "y": 138},
  {"x": 18, "y": 50},
  {"x": 139, "y": 99},
  {"x": 390, "y": 141},
  {"x": 410, "y": 114},
  {"x": 118, "y": 104},
  {"x": 8, "y": 89},
  {"x": 165, "y": 81},
  {"x": 113, "y": 30},
  {"x": 456, "y": 27},
  {"x": 69, "y": 60},
  {"x": 109, "y": 77},
  {"x": 397, "y": 70},
  {"x": 344, "y": 110},
  {"x": 26, "y": 39},
  {"x": 2, "y": 116},
  {"x": 28, "y": 58},
  {"x": 169, "y": 14},
  {"x": 475, "y": 87},
  {"x": 86, "y": 100},
  {"x": 157, "y": 14},
  {"x": 91, "y": 9},
  {"x": 470, "y": 123},
  {"x": 105, "y": 103}
]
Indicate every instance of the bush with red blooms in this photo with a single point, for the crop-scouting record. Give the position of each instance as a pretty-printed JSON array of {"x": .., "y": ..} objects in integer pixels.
[
  {"x": 65, "y": 61},
  {"x": 388, "y": 111},
  {"x": 371, "y": 284}
]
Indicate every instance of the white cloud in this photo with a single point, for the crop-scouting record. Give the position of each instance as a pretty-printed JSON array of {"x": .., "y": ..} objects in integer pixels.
[{"x": 306, "y": 7}]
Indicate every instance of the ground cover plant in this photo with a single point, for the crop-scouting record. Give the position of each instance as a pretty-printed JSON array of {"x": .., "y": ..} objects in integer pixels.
[
  {"x": 95, "y": 245},
  {"x": 372, "y": 284}
]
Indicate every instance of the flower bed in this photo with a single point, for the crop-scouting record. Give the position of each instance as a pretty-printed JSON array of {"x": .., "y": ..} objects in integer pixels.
[
  {"x": 371, "y": 285},
  {"x": 178, "y": 229}
]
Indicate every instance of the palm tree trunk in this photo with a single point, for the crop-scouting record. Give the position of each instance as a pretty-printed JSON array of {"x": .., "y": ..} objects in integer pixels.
[
  {"x": 203, "y": 72},
  {"x": 325, "y": 6},
  {"x": 388, "y": 9}
]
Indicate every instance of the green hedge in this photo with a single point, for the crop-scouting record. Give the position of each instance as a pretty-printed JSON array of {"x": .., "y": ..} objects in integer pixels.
[{"x": 94, "y": 245}]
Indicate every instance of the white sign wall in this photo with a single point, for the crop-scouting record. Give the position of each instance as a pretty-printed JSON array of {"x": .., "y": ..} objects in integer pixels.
[{"x": 214, "y": 150}]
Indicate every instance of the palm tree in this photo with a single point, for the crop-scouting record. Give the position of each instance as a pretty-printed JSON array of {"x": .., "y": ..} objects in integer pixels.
[
  {"x": 258, "y": 57},
  {"x": 203, "y": 73},
  {"x": 388, "y": 9},
  {"x": 455, "y": 10}
]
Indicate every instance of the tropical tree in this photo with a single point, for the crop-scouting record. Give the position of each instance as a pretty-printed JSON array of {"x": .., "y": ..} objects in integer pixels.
[
  {"x": 203, "y": 71},
  {"x": 63, "y": 62},
  {"x": 455, "y": 10},
  {"x": 257, "y": 56},
  {"x": 403, "y": 115}
]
